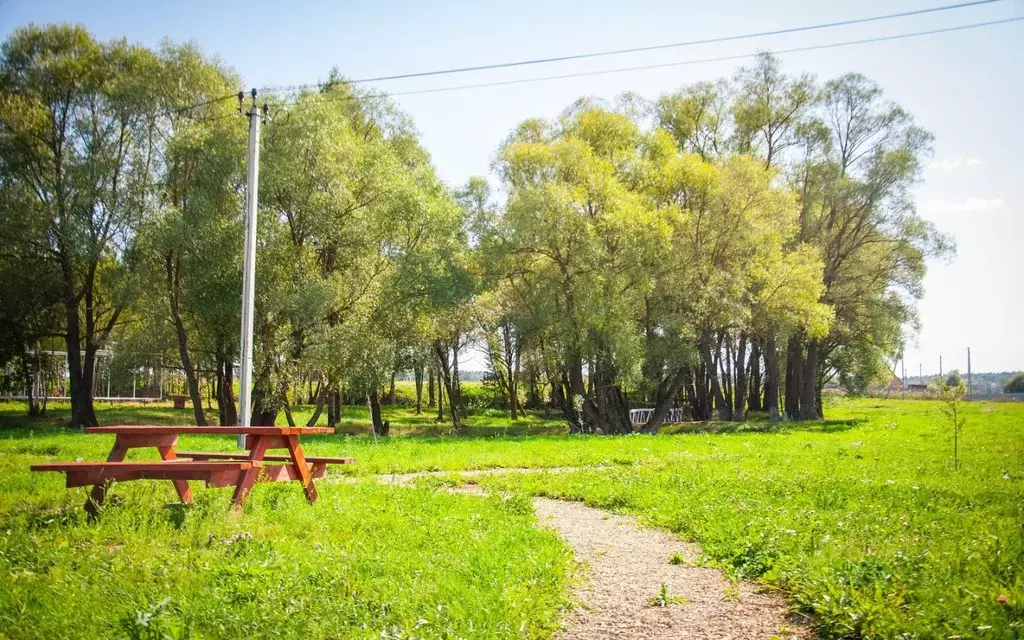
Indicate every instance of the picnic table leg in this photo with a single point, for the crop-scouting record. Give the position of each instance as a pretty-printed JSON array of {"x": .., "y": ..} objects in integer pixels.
[
  {"x": 99, "y": 491},
  {"x": 248, "y": 477},
  {"x": 301, "y": 469},
  {"x": 181, "y": 486}
]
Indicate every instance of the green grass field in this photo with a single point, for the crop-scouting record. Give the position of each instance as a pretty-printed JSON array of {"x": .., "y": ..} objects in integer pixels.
[{"x": 859, "y": 520}]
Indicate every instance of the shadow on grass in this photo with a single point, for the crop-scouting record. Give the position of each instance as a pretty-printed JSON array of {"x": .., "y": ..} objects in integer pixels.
[{"x": 763, "y": 426}]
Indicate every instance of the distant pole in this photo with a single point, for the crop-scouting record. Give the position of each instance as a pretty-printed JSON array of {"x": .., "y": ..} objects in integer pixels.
[
  {"x": 249, "y": 264},
  {"x": 968, "y": 372},
  {"x": 903, "y": 371},
  {"x": 940, "y": 366},
  {"x": 920, "y": 373}
]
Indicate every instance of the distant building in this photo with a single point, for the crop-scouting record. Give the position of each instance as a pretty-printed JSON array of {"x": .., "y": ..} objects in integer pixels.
[{"x": 895, "y": 383}]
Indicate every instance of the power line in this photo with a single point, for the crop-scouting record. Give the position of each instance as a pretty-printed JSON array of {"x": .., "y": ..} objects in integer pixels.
[
  {"x": 743, "y": 56},
  {"x": 213, "y": 100},
  {"x": 833, "y": 45},
  {"x": 580, "y": 56}
]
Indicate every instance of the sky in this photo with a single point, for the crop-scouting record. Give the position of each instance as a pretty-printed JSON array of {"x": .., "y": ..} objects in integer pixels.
[{"x": 966, "y": 87}]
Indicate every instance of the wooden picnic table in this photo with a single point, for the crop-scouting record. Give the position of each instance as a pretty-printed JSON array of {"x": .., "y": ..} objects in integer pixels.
[{"x": 216, "y": 469}]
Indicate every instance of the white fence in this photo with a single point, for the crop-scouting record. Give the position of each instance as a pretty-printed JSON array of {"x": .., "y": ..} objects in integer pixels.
[{"x": 639, "y": 417}]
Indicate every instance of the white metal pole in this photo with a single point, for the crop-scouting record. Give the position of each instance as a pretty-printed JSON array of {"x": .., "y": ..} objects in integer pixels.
[
  {"x": 249, "y": 268},
  {"x": 969, "y": 385}
]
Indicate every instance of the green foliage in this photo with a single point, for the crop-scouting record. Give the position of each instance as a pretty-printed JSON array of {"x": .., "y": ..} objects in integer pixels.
[
  {"x": 954, "y": 379},
  {"x": 664, "y": 598},
  {"x": 858, "y": 520},
  {"x": 1015, "y": 384},
  {"x": 952, "y": 397}
]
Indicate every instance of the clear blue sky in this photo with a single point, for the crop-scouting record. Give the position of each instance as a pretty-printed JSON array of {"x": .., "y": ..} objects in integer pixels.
[{"x": 966, "y": 87}]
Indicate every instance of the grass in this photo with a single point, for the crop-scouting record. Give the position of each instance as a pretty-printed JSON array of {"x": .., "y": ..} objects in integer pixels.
[
  {"x": 365, "y": 562},
  {"x": 356, "y": 419},
  {"x": 867, "y": 529},
  {"x": 860, "y": 521}
]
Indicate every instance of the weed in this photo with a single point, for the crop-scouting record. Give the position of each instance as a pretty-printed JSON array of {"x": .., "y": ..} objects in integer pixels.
[{"x": 664, "y": 598}]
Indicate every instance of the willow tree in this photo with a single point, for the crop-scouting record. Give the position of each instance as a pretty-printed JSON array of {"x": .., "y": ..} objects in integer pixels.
[
  {"x": 725, "y": 274},
  {"x": 348, "y": 200},
  {"x": 587, "y": 243},
  {"x": 76, "y": 131},
  {"x": 190, "y": 248},
  {"x": 855, "y": 181}
]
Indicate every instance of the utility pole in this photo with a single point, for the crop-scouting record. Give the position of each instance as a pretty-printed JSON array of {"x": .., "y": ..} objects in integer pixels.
[
  {"x": 920, "y": 373},
  {"x": 968, "y": 373},
  {"x": 903, "y": 372},
  {"x": 940, "y": 366},
  {"x": 249, "y": 261}
]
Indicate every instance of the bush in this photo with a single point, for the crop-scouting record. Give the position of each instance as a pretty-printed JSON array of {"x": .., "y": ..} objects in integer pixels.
[
  {"x": 1016, "y": 384},
  {"x": 482, "y": 396}
]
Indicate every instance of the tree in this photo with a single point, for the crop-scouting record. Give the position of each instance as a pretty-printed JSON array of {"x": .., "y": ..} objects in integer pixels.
[
  {"x": 581, "y": 243},
  {"x": 361, "y": 246},
  {"x": 1015, "y": 384},
  {"x": 954, "y": 379},
  {"x": 76, "y": 133},
  {"x": 190, "y": 249},
  {"x": 952, "y": 397}
]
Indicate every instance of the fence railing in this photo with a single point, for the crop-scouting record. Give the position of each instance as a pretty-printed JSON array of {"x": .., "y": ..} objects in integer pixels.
[{"x": 640, "y": 417}]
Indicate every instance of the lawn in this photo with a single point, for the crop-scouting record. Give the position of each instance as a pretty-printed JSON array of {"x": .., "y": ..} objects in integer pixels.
[{"x": 860, "y": 521}]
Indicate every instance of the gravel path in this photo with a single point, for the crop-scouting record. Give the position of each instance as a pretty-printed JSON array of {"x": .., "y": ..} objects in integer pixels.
[{"x": 624, "y": 568}]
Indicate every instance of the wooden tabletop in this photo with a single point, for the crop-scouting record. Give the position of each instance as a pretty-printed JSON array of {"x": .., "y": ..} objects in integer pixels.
[{"x": 253, "y": 431}]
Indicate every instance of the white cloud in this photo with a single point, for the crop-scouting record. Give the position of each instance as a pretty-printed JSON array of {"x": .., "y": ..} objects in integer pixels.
[
  {"x": 970, "y": 205},
  {"x": 955, "y": 163}
]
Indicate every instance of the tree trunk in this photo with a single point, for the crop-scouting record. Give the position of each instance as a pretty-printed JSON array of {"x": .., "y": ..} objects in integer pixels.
[
  {"x": 794, "y": 371},
  {"x": 771, "y": 377},
  {"x": 172, "y": 269},
  {"x": 380, "y": 427},
  {"x": 665, "y": 397},
  {"x": 391, "y": 391},
  {"x": 440, "y": 403},
  {"x": 448, "y": 370},
  {"x": 430, "y": 388},
  {"x": 740, "y": 390},
  {"x": 711, "y": 365},
  {"x": 754, "y": 378},
  {"x": 321, "y": 397},
  {"x": 809, "y": 384},
  {"x": 513, "y": 378},
  {"x": 80, "y": 387},
  {"x": 574, "y": 395},
  {"x": 533, "y": 396},
  {"x": 30, "y": 373},
  {"x": 702, "y": 408},
  {"x": 607, "y": 408},
  {"x": 418, "y": 375},
  {"x": 226, "y": 410},
  {"x": 285, "y": 405}
]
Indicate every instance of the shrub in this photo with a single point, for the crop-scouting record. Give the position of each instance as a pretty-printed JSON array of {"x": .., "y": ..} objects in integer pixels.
[{"x": 1016, "y": 384}]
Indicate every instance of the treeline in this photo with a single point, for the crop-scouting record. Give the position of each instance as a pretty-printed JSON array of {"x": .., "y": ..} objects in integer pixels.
[{"x": 730, "y": 247}]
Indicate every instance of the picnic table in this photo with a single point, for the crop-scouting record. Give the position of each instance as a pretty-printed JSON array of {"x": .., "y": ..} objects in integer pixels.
[{"x": 241, "y": 470}]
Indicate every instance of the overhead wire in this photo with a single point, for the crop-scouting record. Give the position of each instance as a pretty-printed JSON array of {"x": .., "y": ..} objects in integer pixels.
[
  {"x": 833, "y": 45},
  {"x": 580, "y": 56},
  {"x": 817, "y": 47},
  {"x": 203, "y": 103}
]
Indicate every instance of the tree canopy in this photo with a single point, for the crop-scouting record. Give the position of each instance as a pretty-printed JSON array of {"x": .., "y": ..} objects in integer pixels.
[{"x": 729, "y": 247}]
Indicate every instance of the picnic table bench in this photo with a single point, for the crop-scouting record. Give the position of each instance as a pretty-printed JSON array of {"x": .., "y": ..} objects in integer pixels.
[{"x": 241, "y": 470}]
